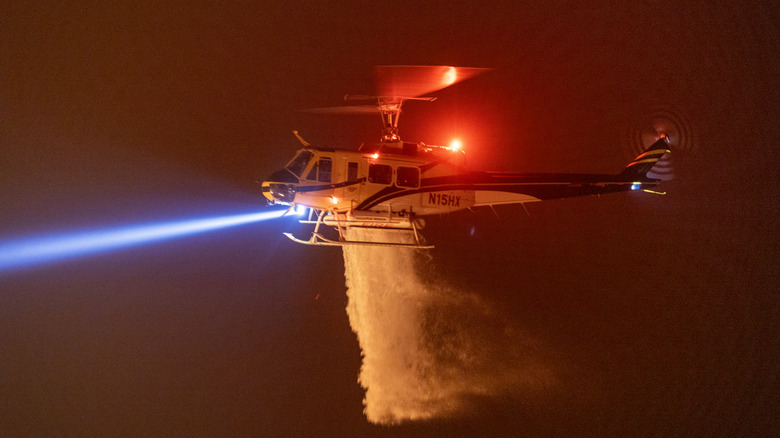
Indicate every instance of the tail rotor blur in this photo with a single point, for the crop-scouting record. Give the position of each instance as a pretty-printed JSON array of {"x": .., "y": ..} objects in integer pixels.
[{"x": 661, "y": 122}]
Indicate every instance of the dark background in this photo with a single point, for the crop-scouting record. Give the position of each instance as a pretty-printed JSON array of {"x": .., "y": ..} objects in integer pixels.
[{"x": 661, "y": 311}]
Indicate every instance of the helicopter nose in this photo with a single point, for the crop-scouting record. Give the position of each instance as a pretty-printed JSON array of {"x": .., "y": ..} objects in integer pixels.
[
  {"x": 280, "y": 187},
  {"x": 281, "y": 193}
]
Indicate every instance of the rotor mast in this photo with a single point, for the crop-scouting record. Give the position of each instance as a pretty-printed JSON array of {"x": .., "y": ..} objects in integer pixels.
[
  {"x": 390, "y": 111},
  {"x": 399, "y": 83}
]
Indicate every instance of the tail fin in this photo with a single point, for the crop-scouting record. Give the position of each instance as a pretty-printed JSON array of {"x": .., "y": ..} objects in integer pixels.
[{"x": 642, "y": 164}]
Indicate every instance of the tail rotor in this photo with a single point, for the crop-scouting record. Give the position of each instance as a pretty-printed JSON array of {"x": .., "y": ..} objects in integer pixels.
[{"x": 662, "y": 122}]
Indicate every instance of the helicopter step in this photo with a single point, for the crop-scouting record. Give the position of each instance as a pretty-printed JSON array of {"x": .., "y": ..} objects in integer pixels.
[{"x": 367, "y": 219}]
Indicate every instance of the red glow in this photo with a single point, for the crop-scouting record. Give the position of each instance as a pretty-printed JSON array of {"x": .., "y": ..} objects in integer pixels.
[
  {"x": 455, "y": 145},
  {"x": 408, "y": 81},
  {"x": 450, "y": 76}
]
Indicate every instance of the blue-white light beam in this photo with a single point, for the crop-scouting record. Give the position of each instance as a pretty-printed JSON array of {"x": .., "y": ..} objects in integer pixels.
[{"x": 28, "y": 252}]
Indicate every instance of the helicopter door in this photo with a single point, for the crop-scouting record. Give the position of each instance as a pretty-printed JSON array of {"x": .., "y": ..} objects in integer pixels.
[{"x": 351, "y": 189}]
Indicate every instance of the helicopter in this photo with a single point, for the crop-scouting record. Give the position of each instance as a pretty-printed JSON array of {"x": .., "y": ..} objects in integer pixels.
[{"x": 392, "y": 184}]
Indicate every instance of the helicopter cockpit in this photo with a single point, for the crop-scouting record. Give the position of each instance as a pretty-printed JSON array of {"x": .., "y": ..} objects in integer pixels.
[
  {"x": 298, "y": 164},
  {"x": 281, "y": 185}
]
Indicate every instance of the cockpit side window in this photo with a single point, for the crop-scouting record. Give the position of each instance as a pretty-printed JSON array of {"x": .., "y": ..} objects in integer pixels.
[
  {"x": 298, "y": 164},
  {"x": 326, "y": 167},
  {"x": 352, "y": 171}
]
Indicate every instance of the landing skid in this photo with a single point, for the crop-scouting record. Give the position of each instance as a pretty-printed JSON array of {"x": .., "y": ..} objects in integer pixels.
[
  {"x": 366, "y": 220},
  {"x": 319, "y": 240}
]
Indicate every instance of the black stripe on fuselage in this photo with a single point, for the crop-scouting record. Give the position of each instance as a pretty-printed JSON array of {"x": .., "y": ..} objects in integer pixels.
[
  {"x": 329, "y": 186},
  {"x": 383, "y": 195},
  {"x": 541, "y": 186},
  {"x": 521, "y": 178}
]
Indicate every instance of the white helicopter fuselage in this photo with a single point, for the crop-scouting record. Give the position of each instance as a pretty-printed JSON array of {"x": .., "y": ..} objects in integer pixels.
[
  {"x": 394, "y": 184},
  {"x": 396, "y": 177}
]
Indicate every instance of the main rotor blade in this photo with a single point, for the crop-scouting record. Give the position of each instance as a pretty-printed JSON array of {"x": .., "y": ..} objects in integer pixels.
[
  {"x": 348, "y": 109},
  {"x": 416, "y": 80}
]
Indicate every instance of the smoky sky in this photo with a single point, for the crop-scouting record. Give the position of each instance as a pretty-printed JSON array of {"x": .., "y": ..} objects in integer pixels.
[{"x": 656, "y": 314}]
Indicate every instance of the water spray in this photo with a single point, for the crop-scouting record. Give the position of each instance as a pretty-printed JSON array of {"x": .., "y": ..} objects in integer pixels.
[{"x": 429, "y": 350}]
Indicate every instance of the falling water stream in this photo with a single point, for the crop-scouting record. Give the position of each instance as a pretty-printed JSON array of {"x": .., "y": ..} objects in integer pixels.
[{"x": 428, "y": 348}]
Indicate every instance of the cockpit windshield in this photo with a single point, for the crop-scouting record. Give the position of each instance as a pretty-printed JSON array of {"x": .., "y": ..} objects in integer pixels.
[{"x": 298, "y": 164}]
